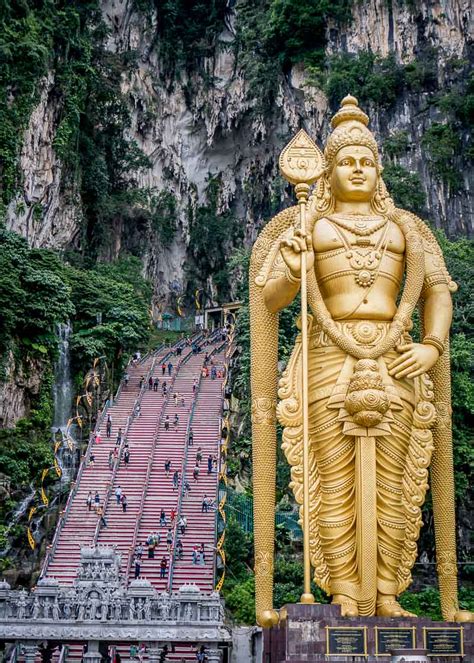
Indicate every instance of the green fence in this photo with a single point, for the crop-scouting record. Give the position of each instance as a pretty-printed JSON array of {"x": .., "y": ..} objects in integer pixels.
[{"x": 240, "y": 507}]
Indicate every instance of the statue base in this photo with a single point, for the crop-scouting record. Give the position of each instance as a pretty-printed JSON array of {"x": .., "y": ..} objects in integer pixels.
[{"x": 317, "y": 633}]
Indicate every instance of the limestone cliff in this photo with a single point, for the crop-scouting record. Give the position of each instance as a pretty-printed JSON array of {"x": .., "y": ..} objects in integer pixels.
[{"x": 194, "y": 125}]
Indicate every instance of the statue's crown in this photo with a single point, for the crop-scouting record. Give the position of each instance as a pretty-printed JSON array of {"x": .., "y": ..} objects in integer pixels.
[{"x": 349, "y": 128}]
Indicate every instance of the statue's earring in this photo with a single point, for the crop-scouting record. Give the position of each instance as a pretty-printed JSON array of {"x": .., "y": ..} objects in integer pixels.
[{"x": 324, "y": 194}]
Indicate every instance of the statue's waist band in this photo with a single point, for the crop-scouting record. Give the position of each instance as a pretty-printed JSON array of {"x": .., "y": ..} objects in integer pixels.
[{"x": 363, "y": 332}]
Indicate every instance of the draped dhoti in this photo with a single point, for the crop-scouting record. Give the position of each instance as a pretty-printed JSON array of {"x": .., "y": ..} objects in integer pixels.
[{"x": 367, "y": 483}]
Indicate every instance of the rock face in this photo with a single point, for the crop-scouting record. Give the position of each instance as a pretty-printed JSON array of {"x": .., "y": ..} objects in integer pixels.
[
  {"x": 193, "y": 130},
  {"x": 43, "y": 213},
  {"x": 21, "y": 384}
]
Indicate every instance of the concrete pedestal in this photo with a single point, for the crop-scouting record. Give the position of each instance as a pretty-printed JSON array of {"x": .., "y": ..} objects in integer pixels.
[{"x": 311, "y": 634}]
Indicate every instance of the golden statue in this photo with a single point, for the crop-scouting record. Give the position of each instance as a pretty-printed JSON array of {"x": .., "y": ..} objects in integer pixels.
[{"x": 364, "y": 409}]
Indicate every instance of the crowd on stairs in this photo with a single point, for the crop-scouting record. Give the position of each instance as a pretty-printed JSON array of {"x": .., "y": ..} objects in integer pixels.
[{"x": 148, "y": 484}]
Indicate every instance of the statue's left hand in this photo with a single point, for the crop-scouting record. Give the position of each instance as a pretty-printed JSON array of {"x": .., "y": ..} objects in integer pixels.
[{"x": 414, "y": 360}]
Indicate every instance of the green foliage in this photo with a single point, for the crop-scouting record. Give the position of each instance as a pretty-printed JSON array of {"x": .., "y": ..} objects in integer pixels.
[
  {"x": 262, "y": 70},
  {"x": 68, "y": 39},
  {"x": 422, "y": 73},
  {"x": 33, "y": 38},
  {"x": 396, "y": 144},
  {"x": 211, "y": 234},
  {"x": 442, "y": 143},
  {"x": 187, "y": 30},
  {"x": 459, "y": 256},
  {"x": 119, "y": 293},
  {"x": 30, "y": 276},
  {"x": 367, "y": 76},
  {"x": 296, "y": 29},
  {"x": 240, "y": 599},
  {"x": 163, "y": 216},
  {"x": 24, "y": 451},
  {"x": 405, "y": 188},
  {"x": 426, "y": 603}
]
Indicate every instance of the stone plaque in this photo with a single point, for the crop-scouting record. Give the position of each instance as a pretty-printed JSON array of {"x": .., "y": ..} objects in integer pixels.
[
  {"x": 348, "y": 640},
  {"x": 443, "y": 641},
  {"x": 388, "y": 638}
]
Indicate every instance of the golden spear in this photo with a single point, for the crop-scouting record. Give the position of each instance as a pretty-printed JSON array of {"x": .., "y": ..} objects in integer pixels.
[{"x": 302, "y": 163}]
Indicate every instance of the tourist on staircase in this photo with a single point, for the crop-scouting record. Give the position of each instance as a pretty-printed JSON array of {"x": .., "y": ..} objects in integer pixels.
[{"x": 163, "y": 567}]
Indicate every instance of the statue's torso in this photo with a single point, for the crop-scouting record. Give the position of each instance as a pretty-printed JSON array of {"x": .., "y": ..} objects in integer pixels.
[{"x": 359, "y": 275}]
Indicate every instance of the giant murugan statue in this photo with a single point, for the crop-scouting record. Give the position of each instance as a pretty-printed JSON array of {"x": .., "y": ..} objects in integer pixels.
[{"x": 377, "y": 402}]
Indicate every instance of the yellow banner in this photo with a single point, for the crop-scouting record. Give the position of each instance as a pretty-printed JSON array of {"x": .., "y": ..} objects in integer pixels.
[
  {"x": 44, "y": 474},
  {"x": 44, "y": 497},
  {"x": 32, "y": 512},
  {"x": 57, "y": 468},
  {"x": 31, "y": 540},
  {"x": 196, "y": 300}
]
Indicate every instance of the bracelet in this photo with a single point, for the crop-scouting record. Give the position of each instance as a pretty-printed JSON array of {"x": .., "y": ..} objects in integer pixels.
[
  {"x": 435, "y": 341},
  {"x": 291, "y": 278}
]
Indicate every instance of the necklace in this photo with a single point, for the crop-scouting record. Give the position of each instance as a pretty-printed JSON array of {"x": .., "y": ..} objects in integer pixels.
[
  {"x": 365, "y": 263},
  {"x": 363, "y": 227}
]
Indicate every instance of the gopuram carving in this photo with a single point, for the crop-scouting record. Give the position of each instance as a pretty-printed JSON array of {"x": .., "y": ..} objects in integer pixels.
[
  {"x": 364, "y": 405},
  {"x": 98, "y": 606}
]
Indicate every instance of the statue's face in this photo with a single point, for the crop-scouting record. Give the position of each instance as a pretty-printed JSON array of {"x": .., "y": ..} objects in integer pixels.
[{"x": 354, "y": 174}]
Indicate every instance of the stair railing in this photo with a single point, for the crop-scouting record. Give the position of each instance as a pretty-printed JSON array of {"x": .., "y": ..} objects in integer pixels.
[
  {"x": 222, "y": 470},
  {"x": 110, "y": 483},
  {"x": 136, "y": 530},
  {"x": 63, "y": 654}
]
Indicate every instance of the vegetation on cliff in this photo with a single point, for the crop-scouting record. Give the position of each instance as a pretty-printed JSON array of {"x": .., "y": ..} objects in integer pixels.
[{"x": 108, "y": 305}]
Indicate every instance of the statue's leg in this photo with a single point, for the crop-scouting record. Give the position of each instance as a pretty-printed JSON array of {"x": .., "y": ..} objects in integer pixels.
[
  {"x": 391, "y": 520},
  {"x": 335, "y": 457}
]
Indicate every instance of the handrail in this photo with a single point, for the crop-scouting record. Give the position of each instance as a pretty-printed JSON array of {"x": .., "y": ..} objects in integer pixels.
[
  {"x": 183, "y": 474},
  {"x": 14, "y": 653},
  {"x": 149, "y": 466},
  {"x": 63, "y": 654},
  {"x": 222, "y": 470},
  {"x": 110, "y": 484}
]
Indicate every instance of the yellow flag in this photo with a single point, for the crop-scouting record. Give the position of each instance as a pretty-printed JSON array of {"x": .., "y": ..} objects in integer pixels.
[
  {"x": 44, "y": 497},
  {"x": 32, "y": 512},
  {"x": 31, "y": 540}
]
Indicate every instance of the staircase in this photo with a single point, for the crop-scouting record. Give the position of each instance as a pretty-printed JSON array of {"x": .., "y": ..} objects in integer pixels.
[
  {"x": 145, "y": 484},
  {"x": 79, "y": 525}
]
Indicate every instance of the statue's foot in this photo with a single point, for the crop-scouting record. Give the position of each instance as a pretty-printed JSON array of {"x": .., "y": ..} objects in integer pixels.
[
  {"x": 387, "y": 606},
  {"x": 464, "y": 616},
  {"x": 349, "y": 607}
]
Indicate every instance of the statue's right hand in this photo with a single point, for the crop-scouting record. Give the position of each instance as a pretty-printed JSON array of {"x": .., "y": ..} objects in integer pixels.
[{"x": 291, "y": 250}]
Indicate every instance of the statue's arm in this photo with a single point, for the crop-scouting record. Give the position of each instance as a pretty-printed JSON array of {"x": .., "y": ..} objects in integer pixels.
[
  {"x": 283, "y": 283},
  {"x": 279, "y": 292},
  {"x": 438, "y": 306}
]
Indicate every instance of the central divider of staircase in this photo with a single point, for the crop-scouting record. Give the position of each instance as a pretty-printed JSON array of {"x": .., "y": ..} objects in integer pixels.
[
  {"x": 133, "y": 545},
  {"x": 155, "y": 353},
  {"x": 183, "y": 473}
]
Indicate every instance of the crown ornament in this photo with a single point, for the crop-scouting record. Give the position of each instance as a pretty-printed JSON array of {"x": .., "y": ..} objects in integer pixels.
[{"x": 350, "y": 128}]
